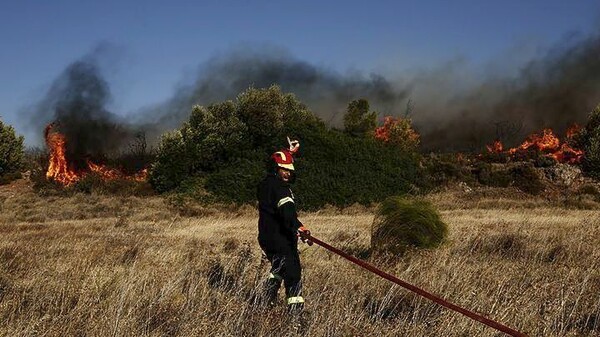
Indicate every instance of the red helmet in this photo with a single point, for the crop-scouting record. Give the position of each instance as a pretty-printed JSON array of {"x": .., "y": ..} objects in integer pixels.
[{"x": 284, "y": 159}]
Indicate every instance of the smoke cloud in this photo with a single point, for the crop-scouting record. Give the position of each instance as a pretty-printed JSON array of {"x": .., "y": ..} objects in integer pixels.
[
  {"x": 326, "y": 92},
  {"x": 552, "y": 91},
  {"x": 454, "y": 107},
  {"x": 76, "y": 105}
]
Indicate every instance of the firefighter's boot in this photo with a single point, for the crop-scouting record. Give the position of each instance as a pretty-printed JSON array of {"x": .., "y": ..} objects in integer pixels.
[
  {"x": 271, "y": 289},
  {"x": 295, "y": 305}
]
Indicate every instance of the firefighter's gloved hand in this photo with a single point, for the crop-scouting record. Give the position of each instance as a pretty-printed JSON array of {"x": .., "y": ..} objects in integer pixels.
[
  {"x": 304, "y": 230},
  {"x": 294, "y": 145}
]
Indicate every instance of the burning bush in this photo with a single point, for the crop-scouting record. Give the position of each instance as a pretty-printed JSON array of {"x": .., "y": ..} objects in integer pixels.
[
  {"x": 403, "y": 223},
  {"x": 11, "y": 153},
  {"x": 545, "y": 148},
  {"x": 398, "y": 132}
]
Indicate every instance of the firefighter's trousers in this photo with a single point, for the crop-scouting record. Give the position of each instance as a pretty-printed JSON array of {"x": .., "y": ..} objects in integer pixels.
[{"x": 285, "y": 266}]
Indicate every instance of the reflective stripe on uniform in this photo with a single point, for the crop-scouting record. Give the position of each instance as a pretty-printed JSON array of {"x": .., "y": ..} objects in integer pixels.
[
  {"x": 275, "y": 276},
  {"x": 284, "y": 200},
  {"x": 295, "y": 300}
]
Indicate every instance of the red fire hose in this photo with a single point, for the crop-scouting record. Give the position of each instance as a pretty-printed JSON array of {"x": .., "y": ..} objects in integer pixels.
[{"x": 491, "y": 323}]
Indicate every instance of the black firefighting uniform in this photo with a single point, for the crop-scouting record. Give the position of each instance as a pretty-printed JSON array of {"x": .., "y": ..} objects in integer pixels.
[{"x": 277, "y": 235}]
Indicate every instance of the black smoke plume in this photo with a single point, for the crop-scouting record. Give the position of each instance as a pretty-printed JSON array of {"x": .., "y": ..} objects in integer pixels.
[
  {"x": 552, "y": 91},
  {"x": 75, "y": 104}
]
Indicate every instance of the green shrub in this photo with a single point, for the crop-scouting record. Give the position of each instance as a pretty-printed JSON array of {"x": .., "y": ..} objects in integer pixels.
[
  {"x": 441, "y": 169},
  {"x": 9, "y": 177},
  {"x": 527, "y": 179},
  {"x": 402, "y": 223},
  {"x": 589, "y": 141},
  {"x": 225, "y": 148},
  {"x": 262, "y": 113},
  {"x": 246, "y": 128},
  {"x": 342, "y": 170},
  {"x": 173, "y": 163},
  {"x": 487, "y": 175},
  {"x": 588, "y": 189},
  {"x": 358, "y": 121},
  {"x": 237, "y": 182},
  {"x": 11, "y": 152}
]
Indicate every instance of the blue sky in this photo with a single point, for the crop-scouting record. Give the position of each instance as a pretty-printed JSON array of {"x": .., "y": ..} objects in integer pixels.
[{"x": 160, "y": 43}]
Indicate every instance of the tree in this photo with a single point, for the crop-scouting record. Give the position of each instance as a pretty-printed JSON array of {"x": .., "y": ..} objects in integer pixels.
[
  {"x": 223, "y": 134},
  {"x": 358, "y": 121},
  {"x": 220, "y": 153},
  {"x": 11, "y": 150}
]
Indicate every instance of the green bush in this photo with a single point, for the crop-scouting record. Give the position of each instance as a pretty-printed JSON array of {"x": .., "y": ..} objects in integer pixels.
[
  {"x": 441, "y": 169},
  {"x": 487, "y": 175},
  {"x": 527, "y": 179},
  {"x": 237, "y": 182},
  {"x": 342, "y": 170},
  {"x": 9, "y": 177},
  {"x": 588, "y": 189},
  {"x": 11, "y": 152},
  {"x": 402, "y": 223},
  {"x": 225, "y": 148},
  {"x": 173, "y": 163},
  {"x": 243, "y": 129},
  {"x": 589, "y": 141}
]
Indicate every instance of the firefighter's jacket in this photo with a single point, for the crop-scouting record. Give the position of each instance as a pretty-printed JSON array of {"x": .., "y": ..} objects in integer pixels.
[{"x": 278, "y": 221}]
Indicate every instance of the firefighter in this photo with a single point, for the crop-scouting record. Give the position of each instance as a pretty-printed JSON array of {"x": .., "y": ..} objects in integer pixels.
[{"x": 278, "y": 228}]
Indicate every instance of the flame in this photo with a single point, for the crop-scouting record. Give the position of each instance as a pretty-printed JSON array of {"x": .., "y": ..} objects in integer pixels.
[
  {"x": 104, "y": 172},
  {"x": 58, "y": 167},
  {"x": 141, "y": 176},
  {"x": 548, "y": 143},
  {"x": 495, "y": 147},
  {"x": 61, "y": 171}
]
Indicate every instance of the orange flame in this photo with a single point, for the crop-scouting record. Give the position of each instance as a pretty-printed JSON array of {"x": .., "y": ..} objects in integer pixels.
[
  {"x": 58, "y": 167},
  {"x": 60, "y": 171},
  {"x": 495, "y": 147},
  {"x": 548, "y": 143},
  {"x": 106, "y": 173}
]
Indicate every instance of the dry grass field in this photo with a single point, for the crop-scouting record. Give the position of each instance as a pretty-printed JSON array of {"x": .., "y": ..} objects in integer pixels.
[{"x": 90, "y": 265}]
